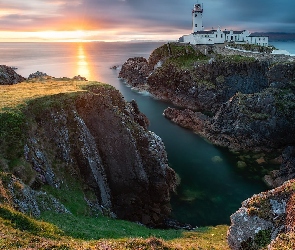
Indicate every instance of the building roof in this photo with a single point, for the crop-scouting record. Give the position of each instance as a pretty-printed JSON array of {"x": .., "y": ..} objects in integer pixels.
[
  {"x": 254, "y": 35},
  {"x": 234, "y": 32},
  {"x": 205, "y": 32}
]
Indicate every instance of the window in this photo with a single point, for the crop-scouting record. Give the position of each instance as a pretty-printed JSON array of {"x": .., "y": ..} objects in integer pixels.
[
  {"x": 216, "y": 35},
  {"x": 196, "y": 15},
  {"x": 221, "y": 35},
  {"x": 196, "y": 25}
]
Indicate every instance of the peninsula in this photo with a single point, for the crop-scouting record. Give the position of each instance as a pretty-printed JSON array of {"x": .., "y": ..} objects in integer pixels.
[{"x": 240, "y": 99}]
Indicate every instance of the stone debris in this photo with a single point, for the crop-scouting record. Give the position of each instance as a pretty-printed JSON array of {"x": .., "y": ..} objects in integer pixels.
[
  {"x": 39, "y": 75},
  {"x": 79, "y": 78}
]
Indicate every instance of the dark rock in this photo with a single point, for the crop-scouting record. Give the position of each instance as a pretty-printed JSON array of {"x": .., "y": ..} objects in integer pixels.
[
  {"x": 8, "y": 76},
  {"x": 79, "y": 78},
  {"x": 104, "y": 143},
  {"x": 286, "y": 171},
  {"x": 135, "y": 71},
  {"x": 20, "y": 196},
  {"x": 187, "y": 118},
  {"x": 39, "y": 75},
  {"x": 262, "y": 120},
  {"x": 174, "y": 224},
  {"x": 251, "y": 99}
]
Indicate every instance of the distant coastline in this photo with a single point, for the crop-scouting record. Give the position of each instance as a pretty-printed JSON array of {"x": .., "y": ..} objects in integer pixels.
[{"x": 278, "y": 36}]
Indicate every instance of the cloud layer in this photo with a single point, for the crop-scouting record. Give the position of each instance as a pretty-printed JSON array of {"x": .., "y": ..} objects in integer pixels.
[{"x": 142, "y": 17}]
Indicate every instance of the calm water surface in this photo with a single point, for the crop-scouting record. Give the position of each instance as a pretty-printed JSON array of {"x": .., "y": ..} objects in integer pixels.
[
  {"x": 211, "y": 187},
  {"x": 287, "y": 45}
]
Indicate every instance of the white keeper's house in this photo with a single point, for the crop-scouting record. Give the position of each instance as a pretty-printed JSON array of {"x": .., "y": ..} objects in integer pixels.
[{"x": 201, "y": 36}]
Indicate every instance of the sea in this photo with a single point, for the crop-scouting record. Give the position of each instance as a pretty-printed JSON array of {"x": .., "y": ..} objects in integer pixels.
[
  {"x": 212, "y": 186},
  {"x": 288, "y": 46}
]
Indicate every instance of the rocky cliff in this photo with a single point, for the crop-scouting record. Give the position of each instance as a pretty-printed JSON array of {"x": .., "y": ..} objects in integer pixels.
[
  {"x": 250, "y": 101},
  {"x": 286, "y": 171},
  {"x": 241, "y": 102},
  {"x": 95, "y": 143},
  {"x": 265, "y": 220}
]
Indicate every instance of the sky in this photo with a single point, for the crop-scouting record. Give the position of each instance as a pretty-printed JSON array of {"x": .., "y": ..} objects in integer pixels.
[{"x": 112, "y": 20}]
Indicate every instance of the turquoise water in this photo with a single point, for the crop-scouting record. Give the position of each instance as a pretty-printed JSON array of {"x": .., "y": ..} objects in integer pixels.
[
  {"x": 288, "y": 45},
  {"x": 212, "y": 187}
]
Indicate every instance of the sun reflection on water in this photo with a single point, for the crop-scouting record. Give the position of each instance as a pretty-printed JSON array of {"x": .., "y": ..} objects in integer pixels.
[{"x": 82, "y": 63}]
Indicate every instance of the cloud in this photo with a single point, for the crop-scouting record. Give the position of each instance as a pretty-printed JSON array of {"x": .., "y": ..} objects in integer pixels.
[{"x": 142, "y": 16}]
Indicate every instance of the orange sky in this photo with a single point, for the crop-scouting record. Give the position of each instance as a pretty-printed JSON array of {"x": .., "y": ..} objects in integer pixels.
[{"x": 111, "y": 20}]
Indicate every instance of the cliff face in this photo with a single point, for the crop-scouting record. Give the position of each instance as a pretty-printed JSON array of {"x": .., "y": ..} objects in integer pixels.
[
  {"x": 101, "y": 143},
  {"x": 266, "y": 219},
  {"x": 206, "y": 86},
  {"x": 250, "y": 101},
  {"x": 286, "y": 171}
]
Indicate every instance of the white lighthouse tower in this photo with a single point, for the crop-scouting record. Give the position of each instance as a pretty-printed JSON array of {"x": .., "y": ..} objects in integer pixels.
[{"x": 198, "y": 18}]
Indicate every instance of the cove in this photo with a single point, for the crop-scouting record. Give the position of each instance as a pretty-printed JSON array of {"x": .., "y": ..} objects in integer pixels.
[{"x": 212, "y": 187}]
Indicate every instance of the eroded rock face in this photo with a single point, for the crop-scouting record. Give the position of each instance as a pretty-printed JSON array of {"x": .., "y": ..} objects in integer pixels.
[
  {"x": 104, "y": 144},
  {"x": 8, "y": 76},
  {"x": 22, "y": 197},
  {"x": 187, "y": 118},
  {"x": 286, "y": 171},
  {"x": 250, "y": 100},
  {"x": 263, "y": 219},
  {"x": 135, "y": 71},
  {"x": 260, "y": 121}
]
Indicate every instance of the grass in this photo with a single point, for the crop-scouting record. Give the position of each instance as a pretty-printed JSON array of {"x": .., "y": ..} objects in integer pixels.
[
  {"x": 187, "y": 61},
  {"x": 235, "y": 58},
  {"x": 70, "y": 195},
  {"x": 180, "y": 55},
  {"x": 253, "y": 47},
  {"x": 12, "y": 96},
  {"x": 59, "y": 231},
  {"x": 77, "y": 230},
  {"x": 11, "y": 133},
  {"x": 19, "y": 231},
  {"x": 88, "y": 228}
]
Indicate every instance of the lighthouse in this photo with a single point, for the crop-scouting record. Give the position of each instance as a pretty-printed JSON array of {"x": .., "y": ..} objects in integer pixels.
[
  {"x": 197, "y": 13},
  {"x": 217, "y": 36}
]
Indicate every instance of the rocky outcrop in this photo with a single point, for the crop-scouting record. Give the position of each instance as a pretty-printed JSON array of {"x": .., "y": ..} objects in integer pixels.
[
  {"x": 264, "y": 56},
  {"x": 39, "y": 75},
  {"x": 15, "y": 193},
  {"x": 135, "y": 71},
  {"x": 286, "y": 171},
  {"x": 8, "y": 76},
  {"x": 264, "y": 219},
  {"x": 249, "y": 100},
  {"x": 187, "y": 118},
  {"x": 101, "y": 143},
  {"x": 206, "y": 86},
  {"x": 260, "y": 121}
]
